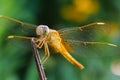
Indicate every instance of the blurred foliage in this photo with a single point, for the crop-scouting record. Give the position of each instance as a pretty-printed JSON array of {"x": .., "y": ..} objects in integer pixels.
[
  {"x": 80, "y": 10},
  {"x": 16, "y": 57}
]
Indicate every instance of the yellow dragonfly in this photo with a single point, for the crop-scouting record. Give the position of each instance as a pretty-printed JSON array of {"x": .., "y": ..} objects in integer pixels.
[{"x": 55, "y": 39}]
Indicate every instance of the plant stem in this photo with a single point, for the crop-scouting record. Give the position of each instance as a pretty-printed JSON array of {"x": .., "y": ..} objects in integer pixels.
[{"x": 38, "y": 61}]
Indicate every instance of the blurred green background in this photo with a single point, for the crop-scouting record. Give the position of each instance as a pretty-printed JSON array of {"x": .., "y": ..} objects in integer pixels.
[{"x": 16, "y": 57}]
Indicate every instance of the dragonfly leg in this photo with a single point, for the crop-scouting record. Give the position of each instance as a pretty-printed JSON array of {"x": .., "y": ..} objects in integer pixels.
[
  {"x": 47, "y": 53},
  {"x": 40, "y": 42}
]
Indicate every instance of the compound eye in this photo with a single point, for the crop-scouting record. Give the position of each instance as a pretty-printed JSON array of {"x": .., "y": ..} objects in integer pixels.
[{"x": 42, "y": 30}]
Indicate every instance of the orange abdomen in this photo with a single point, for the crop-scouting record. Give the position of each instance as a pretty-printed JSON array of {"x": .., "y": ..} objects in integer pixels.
[
  {"x": 55, "y": 42},
  {"x": 65, "y": 53}
]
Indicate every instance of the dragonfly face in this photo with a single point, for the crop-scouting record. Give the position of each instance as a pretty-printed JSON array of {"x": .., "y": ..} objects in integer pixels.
[{"x": 42, "y": 30}]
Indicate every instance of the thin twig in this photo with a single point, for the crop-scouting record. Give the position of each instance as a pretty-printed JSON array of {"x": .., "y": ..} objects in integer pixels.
[{"x": 38, "y": 61}]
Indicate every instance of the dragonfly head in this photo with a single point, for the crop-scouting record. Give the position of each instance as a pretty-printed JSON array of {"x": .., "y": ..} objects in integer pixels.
[{"x": 42, "y": 30}]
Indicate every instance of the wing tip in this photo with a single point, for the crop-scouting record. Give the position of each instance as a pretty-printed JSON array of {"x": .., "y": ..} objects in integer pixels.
[{"x": 100, "y": 23}]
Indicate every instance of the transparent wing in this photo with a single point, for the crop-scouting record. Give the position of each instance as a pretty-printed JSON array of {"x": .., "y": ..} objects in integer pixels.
[
  {"x": 90, "y": 40},
  {"x": 91, "y": 32},
  {"x": 19, "y": 22},
  {"x": 94, "y": 49},
  {"x": 24, "y": 27}
]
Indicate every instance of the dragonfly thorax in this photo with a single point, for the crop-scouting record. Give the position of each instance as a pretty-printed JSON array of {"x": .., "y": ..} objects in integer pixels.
[{"x": 42, "y": 30}]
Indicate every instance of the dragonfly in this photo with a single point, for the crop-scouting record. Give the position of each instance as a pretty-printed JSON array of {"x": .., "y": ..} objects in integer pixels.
[{"x": 55, "y": 38}]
